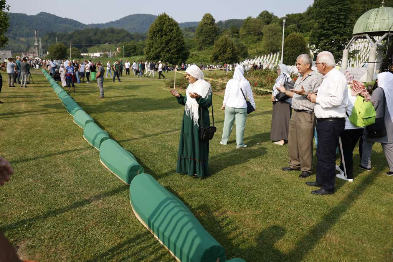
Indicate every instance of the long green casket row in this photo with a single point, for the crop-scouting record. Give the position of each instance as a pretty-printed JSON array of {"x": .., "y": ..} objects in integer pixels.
[
  {"x": 81, "y": 118},
  {"x": 94, "y": 135},
  {"x": 119, "y": 161},
  {"x": 157, "y": 209},
  {"x": 172, "y": 222},
  {"x": 71, "y": 105}
]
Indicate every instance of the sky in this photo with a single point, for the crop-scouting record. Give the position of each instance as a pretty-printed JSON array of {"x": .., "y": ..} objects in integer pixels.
[{"x": 103, "y": 11}]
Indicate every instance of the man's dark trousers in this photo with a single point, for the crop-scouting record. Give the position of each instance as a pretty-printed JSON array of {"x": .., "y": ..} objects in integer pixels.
[{"x": 329, "y": 131}]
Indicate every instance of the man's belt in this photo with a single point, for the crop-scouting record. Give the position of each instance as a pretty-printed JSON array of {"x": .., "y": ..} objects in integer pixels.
[
  {"x": 303, "y": 111},
  {"x": 331, "y": 119}
]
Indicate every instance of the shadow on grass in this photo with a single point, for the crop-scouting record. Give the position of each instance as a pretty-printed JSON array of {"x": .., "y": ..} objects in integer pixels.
[
  {"x": 49, "y": 155},
  {"x": 53, "y": 213},
  {"x": 138, "y": 245},
  {"x": 27, "y": 113}
]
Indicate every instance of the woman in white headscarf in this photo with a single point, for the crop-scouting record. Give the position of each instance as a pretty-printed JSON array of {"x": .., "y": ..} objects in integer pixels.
[
  {"x": 236, "y": 107},
  {"x": 281, "y": 110},
  {"x": 193, "y": 157},
  {"x": 384, "y": 90},
  {"x": 62, "y": 72}
]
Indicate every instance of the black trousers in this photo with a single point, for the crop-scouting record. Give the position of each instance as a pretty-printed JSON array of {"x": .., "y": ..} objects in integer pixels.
[
  {"x": 328, "y": 135},
  {"x": 127, "y": 71},
  {"x": 349, "y": 139},
  {"x": 116, "y": 73}
]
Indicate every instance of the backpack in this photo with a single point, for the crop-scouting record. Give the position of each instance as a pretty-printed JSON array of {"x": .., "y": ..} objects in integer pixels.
[{"x": 363, "y": 113}]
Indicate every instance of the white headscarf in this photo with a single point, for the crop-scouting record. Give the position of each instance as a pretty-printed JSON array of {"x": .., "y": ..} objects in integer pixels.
[
  {"x": 195, "y": 72},
  {"x": 284, "y": 69},
  {"x": 385, "y": 81},
  {"x": 201, "y": 87}
]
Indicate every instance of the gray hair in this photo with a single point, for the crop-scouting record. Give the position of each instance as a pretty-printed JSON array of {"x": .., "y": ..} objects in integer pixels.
[
  {"x": 327, "y": 58},
  {"x": 305, "y": 58}
]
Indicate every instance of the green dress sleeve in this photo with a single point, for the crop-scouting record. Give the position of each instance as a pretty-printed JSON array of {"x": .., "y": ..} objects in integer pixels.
[
  {"x": 205, "y": 102},
  {"x": 182, "y": 100}
]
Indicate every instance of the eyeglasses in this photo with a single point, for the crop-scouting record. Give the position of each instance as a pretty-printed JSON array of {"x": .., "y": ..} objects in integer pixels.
[{"x": 319, "y": 63}]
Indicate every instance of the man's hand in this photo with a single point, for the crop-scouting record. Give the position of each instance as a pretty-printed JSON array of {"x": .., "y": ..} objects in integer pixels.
[
  {"x": 194, "y": 95},
  {"x": 301, "y": 92},
  {"x": 312, "y": 97},
  {"x": 5, "y": 170}
]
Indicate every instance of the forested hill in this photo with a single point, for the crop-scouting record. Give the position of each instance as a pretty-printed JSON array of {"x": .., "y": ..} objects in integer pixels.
[{"x": 20, "y": 24}]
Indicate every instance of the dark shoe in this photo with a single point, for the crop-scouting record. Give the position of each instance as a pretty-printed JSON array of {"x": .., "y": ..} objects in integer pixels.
[
  {"x": 288, "y": 168},
  {"x": 390, "y": 173},
  {"x": 305, "y": 174},
  {"x": 365, "y": 168},
  {"x": 322, "y": 191},
  {"x": 312, "y": 184},
  {"x": 1, "y": 102}
]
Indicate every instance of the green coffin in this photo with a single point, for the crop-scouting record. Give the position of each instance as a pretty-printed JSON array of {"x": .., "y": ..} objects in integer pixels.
[
  {"x": 94, "y": 135},
  {"x": 71, "y": 105},
  {"x": 172, "y": 222},
  {"x": 63, "y": 95},
  {"x": 81, "y": 118},
  {"x": 119, "y": 161}
]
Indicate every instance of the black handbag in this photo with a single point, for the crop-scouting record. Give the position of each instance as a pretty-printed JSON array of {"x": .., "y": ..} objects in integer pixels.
[
  {"x": 288, "y": 86},
  {"x": 250, "y": 108},
  {"x": 378, "y": 129},
  {"x": 206, "y": 133}
]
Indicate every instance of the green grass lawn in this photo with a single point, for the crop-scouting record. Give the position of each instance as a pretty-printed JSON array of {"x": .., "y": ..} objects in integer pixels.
[{"x": 63, "y": 205}]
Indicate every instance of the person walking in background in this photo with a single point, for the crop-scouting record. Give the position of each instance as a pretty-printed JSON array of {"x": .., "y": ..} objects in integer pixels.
[
  {"x": 62, "y": 73},
  {"x": 11, "y": 72},
  {"x": 1, "y": 84},
  {"x": 382, "y": 98},
  {"x": 127, "y": 65},
  {"x": 330, "y": 107},
  {"x": 70, "y": 76},
  {"x": 24, "y": 70},
  {"x": 100, "y": 78},
  {"x": 281, "y": 109},
  {"x": 18, "y": 70},
  {"x": 134, "y": 68},
  {"x": 160, "y": 70},
  {"x": 235, "y": 106},
  {"x": 120, "y": 67},
  {"x": 302, "y": 123},
  {"x": 193, "y": 156},
  {"x": 87, "y": 69},
  {"x": 82, "y": 71},
  {"x": 152, "y": 67},
  {"x": 108, "y": 69},
  {"x": 116, "y": 68}
]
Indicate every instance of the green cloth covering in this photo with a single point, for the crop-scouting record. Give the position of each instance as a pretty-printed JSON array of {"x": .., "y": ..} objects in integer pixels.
[
  {"x": 363, "y": 113},
  {"x": 118, "y": 160},
  {"x": 81, "y": 118},
  {"x": 172, "y": 222},
  {"x": 94, "y": 134},
  {"x": 63, "y": 95},
  {"x": 193, "y": 156}
]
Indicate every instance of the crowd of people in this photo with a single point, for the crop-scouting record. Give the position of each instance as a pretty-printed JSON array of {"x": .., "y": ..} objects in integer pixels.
[{"x": 318, "y": 104}]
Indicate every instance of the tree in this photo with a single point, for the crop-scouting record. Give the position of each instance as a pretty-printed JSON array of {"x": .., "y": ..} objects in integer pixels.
[
  {"x": 225, "y": 51},
  {"x": 206, "y": 32},
  {"x": 165, "y": 41},
  {"x": 267, "y": 18},
  {"x": 294, "y": 45},
  {"x": 332, "y": 29},
  {"x": 251, "y": 29},
  {"x": 75, "y": 53},
  {"x": 58, "y": 51},
  {"x": 3, "y": 22},
  {"x": 271, "y": 42}
]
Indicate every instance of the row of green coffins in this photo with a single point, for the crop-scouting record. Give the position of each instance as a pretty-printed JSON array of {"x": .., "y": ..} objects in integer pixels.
[{"x": 161, "y": 212}]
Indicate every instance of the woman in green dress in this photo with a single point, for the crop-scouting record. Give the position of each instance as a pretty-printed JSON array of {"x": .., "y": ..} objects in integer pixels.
[{"x": 193, "y": 157}]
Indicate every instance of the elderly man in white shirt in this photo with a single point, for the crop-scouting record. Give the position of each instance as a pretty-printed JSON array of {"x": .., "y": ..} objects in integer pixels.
[{"x": 330, "y": 107}]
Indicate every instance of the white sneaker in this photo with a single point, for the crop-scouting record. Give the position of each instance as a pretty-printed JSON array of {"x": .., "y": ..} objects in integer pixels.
[
  {"x": 224, "y": 144},
  {"x": 241, "y": 146},
  {"x": 342, "y": 176}
]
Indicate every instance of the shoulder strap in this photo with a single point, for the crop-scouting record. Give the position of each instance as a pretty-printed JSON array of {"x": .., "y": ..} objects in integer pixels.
[
  {"x": 243, "y": 94},
  {"x": 200, "y": 109}
]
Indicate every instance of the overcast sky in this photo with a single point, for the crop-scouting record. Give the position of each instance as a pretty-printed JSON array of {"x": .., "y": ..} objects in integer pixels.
[{"x": 102, "y": 11}]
